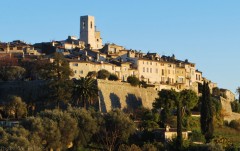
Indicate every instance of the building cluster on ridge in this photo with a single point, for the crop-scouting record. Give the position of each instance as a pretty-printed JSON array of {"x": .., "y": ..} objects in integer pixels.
[{"x": 89, "y": 54}]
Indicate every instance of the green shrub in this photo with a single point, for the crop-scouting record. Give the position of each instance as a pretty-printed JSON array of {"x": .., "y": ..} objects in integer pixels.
[
  {"x": 133, "y": 147},
  {"x": 134, "y": 81},
  {"x": 149, "y": 147},
  {"x": 197, "y": 136},
  {"x": 172, "y": 145},
  {"x": 234, "y": 124},
  {"x": 123, "y": 147},
  {"x": 103, "y": 74},
  {"x": 215, "y": 147},
  {"x": 143, "y": 84},
  {"x": 235, "y": 106},
  {"x": 113, "y": 77},
  {"x": 92, "y": 74}
]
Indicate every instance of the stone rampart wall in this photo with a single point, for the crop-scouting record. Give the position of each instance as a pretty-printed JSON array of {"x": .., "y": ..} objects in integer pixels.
[
  {"x": 115, "y": 94},
  {"x": 227, "y": 110},
  {"x": 27, "y": 90}
]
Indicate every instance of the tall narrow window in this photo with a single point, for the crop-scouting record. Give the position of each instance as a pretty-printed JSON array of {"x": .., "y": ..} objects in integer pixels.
[
  {"x": 83, "y": 24},
  {"x": 91, "y": 24}
]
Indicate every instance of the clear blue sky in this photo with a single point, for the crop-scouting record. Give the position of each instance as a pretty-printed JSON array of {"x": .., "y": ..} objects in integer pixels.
[{"x": 206, "y": 32}]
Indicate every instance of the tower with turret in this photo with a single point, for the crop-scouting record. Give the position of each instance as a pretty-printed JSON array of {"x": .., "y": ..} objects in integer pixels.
[{"x": 88, "y": 32}]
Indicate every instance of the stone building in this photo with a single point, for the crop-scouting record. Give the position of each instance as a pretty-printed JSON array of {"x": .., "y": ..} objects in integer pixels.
[
  {"x": 88, "y": 32},
  {"x": 18, "y": 47}
]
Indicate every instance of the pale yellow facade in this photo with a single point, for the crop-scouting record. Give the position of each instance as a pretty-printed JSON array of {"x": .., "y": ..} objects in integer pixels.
[
  {"x": 168, "y": 73},
  {"x": 156, "y": 72},
  {"x": 149, "y": 70},
  {"x": 112, "y": 49},
  {"x": 82, "y": 68},
  {"x": 198, "y": 76},
  {"x": 180, "y": 77}
]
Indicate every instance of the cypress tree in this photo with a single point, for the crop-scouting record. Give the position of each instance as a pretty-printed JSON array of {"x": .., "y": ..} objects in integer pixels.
[
  {"x": 179, "y": 126},
  {"x": 206, "y": 114}
]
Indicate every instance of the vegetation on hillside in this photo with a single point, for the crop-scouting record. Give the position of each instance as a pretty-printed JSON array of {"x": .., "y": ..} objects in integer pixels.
[{"x": 66, "y": 117}]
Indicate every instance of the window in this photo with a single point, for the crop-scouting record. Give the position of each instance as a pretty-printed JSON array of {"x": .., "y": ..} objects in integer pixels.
[
  {"x": 162, "y": 71},
  {"x": 150, "y": 63},
  {"x": 150, "y": 70},
  {"x": 168, "y": 71},
  {"x": 81, "y": 71},
  {"x": 143, "y": 69},
  {"x": 156, "y": 64},
  {"x": 147, "y": 63},
  {"x": 143, "y": 62},
  {"x": 112, "y": 67},
  {"x": 147, "y": 69},
  {"x": 156, "y": 70},
  {"x": 83, "y": 24},
  {"x": 75, "y": 71},
  {"x": 75, "y": 64},
  {"x": 91, "y": 24},
  {"x": 162, "y": 64}
]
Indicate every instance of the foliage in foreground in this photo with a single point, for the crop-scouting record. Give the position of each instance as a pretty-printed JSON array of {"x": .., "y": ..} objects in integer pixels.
[{"x": 73, "y": 128}]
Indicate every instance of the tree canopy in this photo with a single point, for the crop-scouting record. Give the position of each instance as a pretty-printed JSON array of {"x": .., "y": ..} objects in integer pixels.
[
  {"x": 10, "y": 73},
  {"x": 103, "y": 74},
  {"x": 133, "y": 80},
  {"x": 58, "y": 74},
  {"x": 85, "y": 92},
  {"x": 15, "y": 107}
]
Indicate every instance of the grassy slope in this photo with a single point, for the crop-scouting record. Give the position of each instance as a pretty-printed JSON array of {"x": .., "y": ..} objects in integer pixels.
[{"x": 224, "y": 131}]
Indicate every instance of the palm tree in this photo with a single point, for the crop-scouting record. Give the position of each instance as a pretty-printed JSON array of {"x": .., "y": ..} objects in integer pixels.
[
  {"x": 238, "y": 92},
  {"x": 85, "y": 91}
]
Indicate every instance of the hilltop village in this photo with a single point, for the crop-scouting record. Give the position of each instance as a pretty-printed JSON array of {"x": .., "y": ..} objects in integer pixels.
[
  {"x": 89, "y": 54},
  {"x": 54, "y": 92}
]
